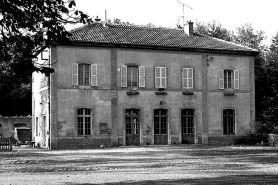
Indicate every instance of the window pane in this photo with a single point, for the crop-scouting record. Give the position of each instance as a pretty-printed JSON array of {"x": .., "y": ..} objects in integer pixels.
[
  {"x": 132, "y": 76},
  {"x": 228, "y": 121},
  {"x": 80, "y": 125}
]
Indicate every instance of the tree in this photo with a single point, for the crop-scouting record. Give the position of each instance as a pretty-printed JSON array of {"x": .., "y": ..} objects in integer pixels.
[
  {"x": 213, "y": 29},
  {"x": 26, "y": 29},
  {"x": 271, "y": 100}
]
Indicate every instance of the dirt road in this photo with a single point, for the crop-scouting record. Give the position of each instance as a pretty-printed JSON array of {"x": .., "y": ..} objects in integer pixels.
[{"x": 186, "y": 164}]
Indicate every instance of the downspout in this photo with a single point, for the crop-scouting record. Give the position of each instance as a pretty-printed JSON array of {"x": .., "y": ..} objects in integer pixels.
[{"x": 49, "y": 125}]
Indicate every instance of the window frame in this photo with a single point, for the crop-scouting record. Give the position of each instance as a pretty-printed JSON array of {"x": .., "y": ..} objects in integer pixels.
[
  {"x": 185, "y": 80},
  {"x": 160, "y": 77},
  {"x": 90, "y": 74},
  {"x": 125, "y": 75},
  {"x": 225, "y": 125},
  {"x": 85, "y": 76},
  {"x": 223, "y": 81},
  {"x": 84, "y": 116}
]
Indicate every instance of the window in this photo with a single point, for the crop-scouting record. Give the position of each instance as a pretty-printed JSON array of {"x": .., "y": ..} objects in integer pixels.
[
  {"x": 187, "y": 78},
  {"x": 133, "y": 76},
  {"x": 160, "y": 77},
  {"x": 84, "y": 119},
  {"x": 229, "y": 121},
  {"x": 84, "y": 74},
  {"x": 229, "y": 79},
  {"x": 187, "y": 124},
  {"x": 160, "y": 121}
]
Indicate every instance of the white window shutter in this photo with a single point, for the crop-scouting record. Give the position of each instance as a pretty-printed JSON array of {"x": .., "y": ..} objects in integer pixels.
[
  {"x": 94, "y": 80},
  {"x": 190, "y": 77},
  {"x": 124, "y": 76},
  {"x": 74, "y": 74},
  {"x": 236, "y": 79},
  {"x": 142, "y": 75},
  {"x": 221, "y": 79},
  {"x": 184, "y": 77},
  {"x": 163, "y": 77},
  {"x": 157, "y": 77}
]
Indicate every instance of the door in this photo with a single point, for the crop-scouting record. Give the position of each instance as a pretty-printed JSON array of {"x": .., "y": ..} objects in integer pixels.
[
  {"x": 160, "y": 127},
  {"x": 43, "y": 131},
  {"x": 132, "y": 126},
  {"x": 187, "y": 126}
]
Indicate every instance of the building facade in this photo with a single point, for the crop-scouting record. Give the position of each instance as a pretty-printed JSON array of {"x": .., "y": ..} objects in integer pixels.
[
  {"x": 8, "y": 124},
  {"x": 118, "y": 85}
]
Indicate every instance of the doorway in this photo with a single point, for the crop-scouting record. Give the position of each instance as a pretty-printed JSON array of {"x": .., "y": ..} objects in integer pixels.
[
  {"x": 187, "y": 126},
  {"x": 160, "y": 127},
  {"x": 132, "y": 119}
]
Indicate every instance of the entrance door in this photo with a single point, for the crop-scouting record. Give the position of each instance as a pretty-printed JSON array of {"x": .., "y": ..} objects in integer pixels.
[
  {"x": 187, "y": 126},
  {"x": 132, "y": 126},
  {"x": 160, "y": 127},
  {"x": 43, "y": 131}
]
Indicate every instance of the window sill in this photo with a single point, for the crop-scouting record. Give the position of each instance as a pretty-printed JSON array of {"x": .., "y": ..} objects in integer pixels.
[
  {"x": 161, "y": 93},
  {"x": 229, "y": 92},
  {"x": 132, "y": 93},
  {"x": 188, "y": 92}
]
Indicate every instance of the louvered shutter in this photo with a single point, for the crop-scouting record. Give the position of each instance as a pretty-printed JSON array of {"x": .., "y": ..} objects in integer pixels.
[
  {"x": 184, "y": 78},
  {"x": 190, "y": 77},
  {"x": 157, "y": 77},
  {"x": 221, "y": 79},
  {"x": 74, "y": 74},
  {"x": 142, "y": 74},
  {"x": 236, "y": 79},
  {"x": 124, "y": 76},
  {"x": 94, "y": 80},
  {"x": 163, "y": 77}
]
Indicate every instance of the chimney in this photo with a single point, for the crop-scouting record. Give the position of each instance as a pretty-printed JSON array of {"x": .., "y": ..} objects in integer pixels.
[
  {"x": 97, "y": 19},
  {"x": 190, "y": 28}
]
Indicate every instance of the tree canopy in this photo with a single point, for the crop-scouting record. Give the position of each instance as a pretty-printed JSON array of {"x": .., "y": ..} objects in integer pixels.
[{"x": 27, "y": 27}]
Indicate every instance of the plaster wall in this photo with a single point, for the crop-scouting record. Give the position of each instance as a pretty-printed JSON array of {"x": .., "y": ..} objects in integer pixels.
[{"x": 108, "y": 101}]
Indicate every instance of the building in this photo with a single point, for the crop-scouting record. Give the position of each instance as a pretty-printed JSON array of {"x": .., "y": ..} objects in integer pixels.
[
  {"x": 9, "y": 124},
  {"x": 126, "y": 85}
]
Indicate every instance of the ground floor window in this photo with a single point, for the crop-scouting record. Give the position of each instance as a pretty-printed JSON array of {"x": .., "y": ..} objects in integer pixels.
[
  {"x": 187, "y": 124},
  {"x": 84, "y": 120},
  {"x": 229, "y": 121},
  {"x": 160, "y": 121}
]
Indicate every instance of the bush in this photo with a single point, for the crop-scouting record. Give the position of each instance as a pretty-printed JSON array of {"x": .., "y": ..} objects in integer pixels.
[{"x": 252, "y": 138}]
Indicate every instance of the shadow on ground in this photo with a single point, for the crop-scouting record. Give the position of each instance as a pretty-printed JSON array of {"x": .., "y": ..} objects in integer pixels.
[{"x": 227, "y": 180}]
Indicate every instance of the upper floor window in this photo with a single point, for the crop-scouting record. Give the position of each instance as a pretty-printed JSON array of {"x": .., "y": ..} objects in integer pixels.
[
  {"x": 84, "y": 74},
  {"x": 228, "y": 79},
  {"x": 187, "y": 78},
  {"x": 84, "y": 119},
  {"x": 160, "y": 77},
  {"x": 229, "y": 121},
  {"x": 133, "y": 76}
]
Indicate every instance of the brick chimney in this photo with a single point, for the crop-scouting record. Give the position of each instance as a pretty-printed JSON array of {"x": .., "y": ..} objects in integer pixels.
[{"x": 190, "y": 28}]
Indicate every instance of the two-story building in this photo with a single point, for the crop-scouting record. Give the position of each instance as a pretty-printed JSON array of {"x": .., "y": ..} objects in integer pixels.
[{"x": 126, "y": 85}]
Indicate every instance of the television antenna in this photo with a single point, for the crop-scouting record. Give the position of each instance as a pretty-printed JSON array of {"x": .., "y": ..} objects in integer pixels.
[{"x": 183, "y": 5}]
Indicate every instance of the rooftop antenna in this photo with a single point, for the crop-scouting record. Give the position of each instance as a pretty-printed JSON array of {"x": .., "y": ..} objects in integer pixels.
[{"x": 183, "y": 5}]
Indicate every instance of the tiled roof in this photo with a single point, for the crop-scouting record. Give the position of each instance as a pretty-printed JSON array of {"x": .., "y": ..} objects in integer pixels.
[{"x": 155, "y": 37}]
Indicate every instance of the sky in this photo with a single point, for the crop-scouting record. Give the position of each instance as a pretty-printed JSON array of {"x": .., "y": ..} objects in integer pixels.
[{"x": 262, "y": 14}]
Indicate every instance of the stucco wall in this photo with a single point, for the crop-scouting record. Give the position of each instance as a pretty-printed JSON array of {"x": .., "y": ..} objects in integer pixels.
[{"x": 109, "y": 100}]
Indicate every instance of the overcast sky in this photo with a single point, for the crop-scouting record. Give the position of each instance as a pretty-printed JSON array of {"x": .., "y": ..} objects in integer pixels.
[{"x": 262, "y": 14}]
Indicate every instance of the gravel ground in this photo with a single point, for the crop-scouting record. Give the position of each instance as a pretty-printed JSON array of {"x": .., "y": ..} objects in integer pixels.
[{"x": 183, "y": 164}]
